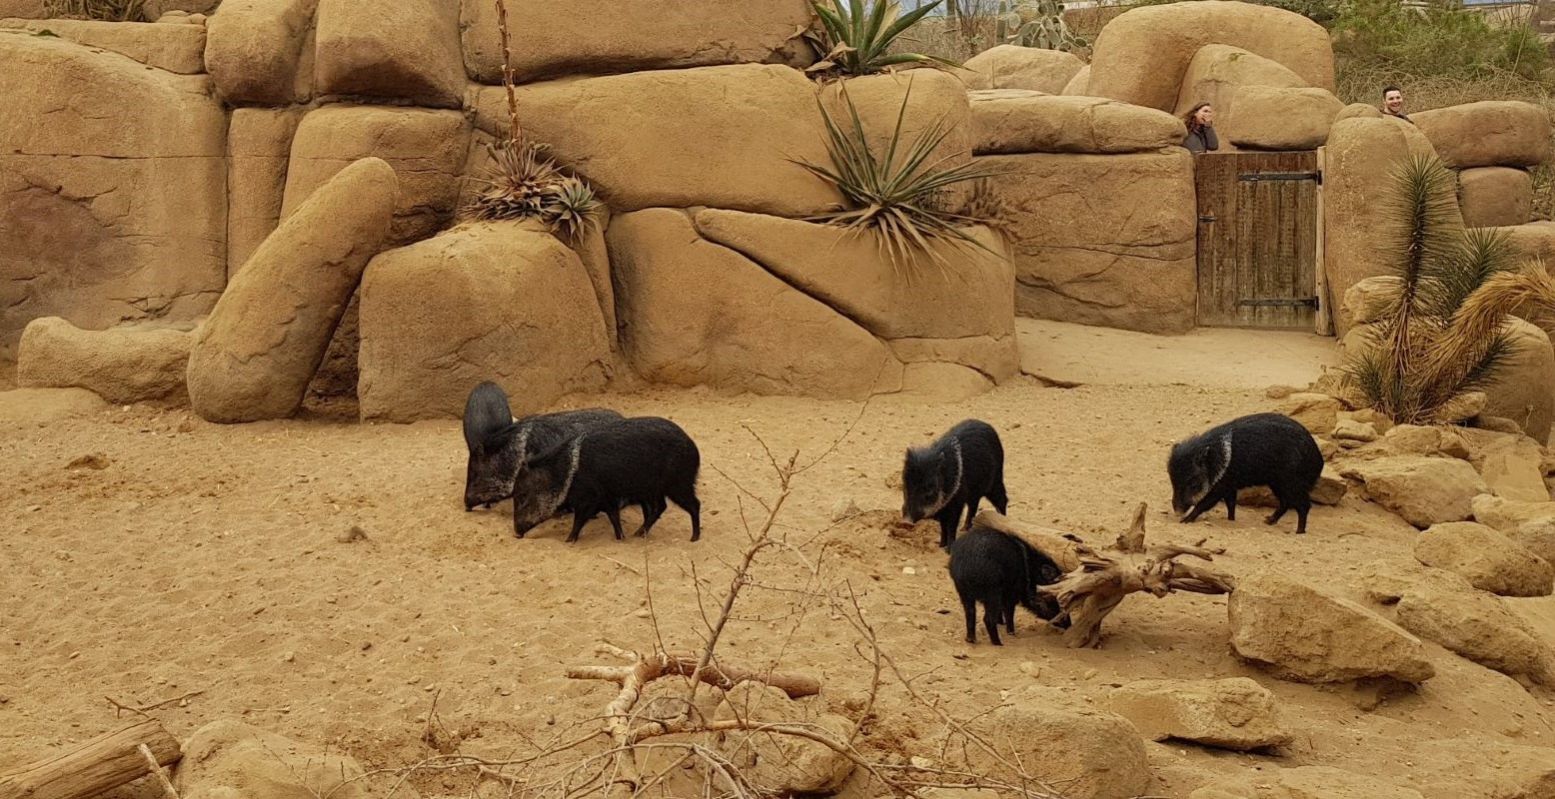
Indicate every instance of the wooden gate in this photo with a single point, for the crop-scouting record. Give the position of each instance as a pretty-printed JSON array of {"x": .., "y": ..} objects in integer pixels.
[{"x": 1258, "y": 239}]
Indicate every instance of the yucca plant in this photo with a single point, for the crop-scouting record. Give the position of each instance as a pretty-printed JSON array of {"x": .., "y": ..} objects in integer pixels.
[
  {"x": 900, "y": 193},
  {"x": 524, "y": 181},
  {"x": 855, "y": 38},
  {"x": 1443, "y": 333}
]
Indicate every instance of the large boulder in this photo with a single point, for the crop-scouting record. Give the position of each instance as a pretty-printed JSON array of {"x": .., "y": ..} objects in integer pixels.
[
  {"x": 1103, "y": 239},
  {"x": 1523, "y": 389},
  {"x": 1142, "y": 56},
  {"x": 253, "y": 50},
  {"x": 1489, "y": 133},
  {"x": 693, "y": 312},
  {"x": 1269, "y": 118},
  {"x": 784, "y": 765},
  {"x": 594, "y": 37},
  {"x": 426, "y": 148},
  {"x": 175, "y": 48},
  {"x": 1235, "y": 713},
  {"x": 1530, "y": 525},
  {"x": 404, "y": 50},
  {"x": 1480, "y": 627},
  {"x": 1363, "y": 155},
  {"x": 111, "y": 189},
  {"x": 1010, "y": 66},
  {"x": 502, "y": 301},
  {"x": 1510, "y": 464},
  {"x": 1495, "y": 196},
  {"x": 122, "y": 365},
  {"x": 890, "y": 299},
  {"x": 1302, "y": 634},
  {"x": 259, "y": 145},
  {"x": 228, "y": 758},
  {"x": 1531, "y": 240},
  {"x": 1487, "y": 559},
  {"x": 1009, "y": 121},
  {"x": 1080, "y": 84},
  {"x": 1368, "y": 300},
  {"x": 1218, "y": 73},
  {"x": 1093, "y": 754},
  {"x": 254, "y": 356},
  {"x": 1425, "y": 491},
  {"x": 627, "y": 134}
]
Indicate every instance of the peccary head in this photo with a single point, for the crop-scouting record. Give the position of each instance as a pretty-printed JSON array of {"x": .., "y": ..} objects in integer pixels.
[
  {"x": 541, "y": 486},
  {"x": 488, "y": 420},
  {"x": 1195, "y": 466},
  {"x": 494, "y": 463},
  {"x": 923, "y": 484}
]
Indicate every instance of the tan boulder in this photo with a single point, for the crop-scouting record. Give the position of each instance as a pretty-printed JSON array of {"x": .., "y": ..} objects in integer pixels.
[
  {"x": 229, "y": 758},
  {"x": 696, "y": 313},
  {"x": 1217, "y": 74},
  {"x": 1269, "y": 118},
  {"x": 1010, "y": 66},
  {"x": 35, "y": 407},
  {"x": 1080, "y": 84},
  {"x": 1367, "y": 301},
  {"x": 394, "y": 49},
  {"x": 1363, "y": 154},
  {"x": 1531, "y": 240},
  {"x": 175, "y": 48},
  {"x": 1480, "y": 627},
  {"x": 1509, "y": 463},
  {"x": 1524, "y": 387},
  {"x": 1093, "y": 753},
  {"x": 1387, "y": 580},
  {"x": 1489, "y": 133},
  {"x": 1425, "y": 491},
  {"x": 121, "y": 365},
  {"x": 1007, "y": 121},
  {"x": 1530, "y": 525},
  {"x": 111, "y": 189},
  {"x": 784, "y": 765},
  {"x": 502, "y": 301},
  {"x": 1299, "y": 633},
  {"x": 1236, "y": 713},
  {"x": 1486, "y": 558},
  {"x": 259, "y": 145},
  {"x": 627, "y": 134},
  {"x": 1318, "y": 413},
  {"x": 1495, "y": 196},
  {"x": 593, "y": 37},
  {"x": 426, "y": 148},
  {"x": 23, "y": 9},
  {"x": 254, "y": 356},
  {"x": 253, "y": 49},
  {"x": 1103, "y": 239},
  {"x": 1142, "y": 56},
  {"x": 847, "y": 271},
  {"x": 1359, "y": 111}
]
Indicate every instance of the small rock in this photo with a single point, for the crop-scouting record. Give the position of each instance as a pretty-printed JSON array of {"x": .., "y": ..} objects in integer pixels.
[
  {"x": 844, "y": 509},
  {"x": 1352, "y": 430},
  {"x": 1236, "y": 713},
  {"x": 1030, "y": 669},
  {"x": 1464, "y": 407},
  {"x": 95, "y": 460},
  {"x": 229, "y": 758},
  {"x": 909, "y": 570},
  {"x": 1319, "y": 413},
  {"x": 1279, "y": 392},
  {"x": 1093, "y": 754},
  {"x": 1498, "y": 424},
  {"x": 1425, "y": 491},
  {"x": 1486, "y": 558},
  {"x": 786, "y": 765},
  {"x": 354, "y": 534},
  {"x": 1480, "y": 627}
]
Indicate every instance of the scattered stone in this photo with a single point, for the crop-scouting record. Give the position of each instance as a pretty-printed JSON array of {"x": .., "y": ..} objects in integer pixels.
[
  {"x": 1530, "y": 524},
  {"x": 1280, "y": 392},
  {"x": 1411, "y": 439},
  {"x": 1301, "y": 634},
  {"x": 783, "y": 763},
  {"x": 1424, "y": 491},
  {"x": 1319, "y": 413},
  {"x": 1093, "y": 753},
  {"x": 844, "y": 508},
  {"x": 1386, "y": 581},
  {"x": 356, "y": 533},
  {"x": 229, "y": 758},
  {"x": 1368, "y": 300},
  {"x": 1356, "y": 431},
  {"x": 96, "y": 461},
  {"x": 1235, "y": 713},
  {"x": 1480, "y": 627},
  {"x": 1486, "y": 558}
]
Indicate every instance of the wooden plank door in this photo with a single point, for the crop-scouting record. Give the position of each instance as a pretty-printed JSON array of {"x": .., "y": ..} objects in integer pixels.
[{"x": 1257, "y": 243}]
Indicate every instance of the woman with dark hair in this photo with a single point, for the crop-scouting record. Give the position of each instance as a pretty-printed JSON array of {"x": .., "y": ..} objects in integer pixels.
[{"x": 1201, "y": 129}]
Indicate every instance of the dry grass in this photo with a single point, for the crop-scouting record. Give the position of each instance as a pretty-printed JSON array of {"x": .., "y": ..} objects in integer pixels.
[{"x": 109, "y": 10}]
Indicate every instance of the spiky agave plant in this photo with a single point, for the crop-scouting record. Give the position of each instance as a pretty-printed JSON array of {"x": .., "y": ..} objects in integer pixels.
[
  {"x": 855, "y": 38},
  {"x": 1443, "y": 333},
  {"x": 898, "y": 193}
]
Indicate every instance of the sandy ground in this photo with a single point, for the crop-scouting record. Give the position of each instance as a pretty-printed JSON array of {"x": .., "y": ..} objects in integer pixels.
[{"x": 206, "y": 557}]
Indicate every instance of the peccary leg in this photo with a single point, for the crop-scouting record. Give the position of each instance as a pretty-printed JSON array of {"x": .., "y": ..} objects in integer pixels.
[
  {"x": 1210, "y": 500},
  {"x": 688, "y": 502},
  {"x": 1009, "y": 614},
  {"x": 1231, "y": 504},
  {"x": 1279, "y": 511},
  {"x": 949, "y": 517},
  {"x": 1302, "y": 506},
  {"x": 652, "y": 510},
  {"x": 614, "y": 515},
  {"x": 578, "y": 520},
  {"x": 971, "y": 512},
  {"x": 999, "y": 498},
  {"x": 970, "y": 606},
  {"x": 992, "y": 611}
]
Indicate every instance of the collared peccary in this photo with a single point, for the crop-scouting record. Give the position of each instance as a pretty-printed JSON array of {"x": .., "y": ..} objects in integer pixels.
[
  {"x": 499, "y": 444},
  {"x": 1264, "y": 449},
  {"x": 955, "y": 472},
  {"x": 641, "y": 461},
  {"x": 1000, "y": 571}
]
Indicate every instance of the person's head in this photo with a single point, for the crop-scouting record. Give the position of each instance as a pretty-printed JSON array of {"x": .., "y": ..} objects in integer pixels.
[
  {"x": 1201, "y": 115},
  {"x": 1392, "y": 100}
]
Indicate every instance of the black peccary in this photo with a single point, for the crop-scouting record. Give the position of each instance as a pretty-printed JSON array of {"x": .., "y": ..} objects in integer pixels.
[
  {"x": 499, "y": 444},
  {"x": 955, "y": 472},
  {"x": 1000, "y": 571},
  {"x": 639, "y": 461},
  {"x": 1264, "y": 449}
]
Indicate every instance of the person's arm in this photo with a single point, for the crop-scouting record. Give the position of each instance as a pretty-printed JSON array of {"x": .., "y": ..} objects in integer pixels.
[
  {"x": 1193, "y": 143},
  {"x": 1211, "y": 141}
]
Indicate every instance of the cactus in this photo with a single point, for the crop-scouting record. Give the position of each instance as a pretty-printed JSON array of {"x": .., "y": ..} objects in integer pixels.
[{"x": 1038, "y": 23}]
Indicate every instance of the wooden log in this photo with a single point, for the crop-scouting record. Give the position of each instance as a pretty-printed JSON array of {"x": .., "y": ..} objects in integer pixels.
[{"x": 99, "y": 765}]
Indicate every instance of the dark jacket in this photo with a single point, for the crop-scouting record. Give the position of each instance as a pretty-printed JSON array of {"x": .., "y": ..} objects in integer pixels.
[{"x": 1201, "y": 140}]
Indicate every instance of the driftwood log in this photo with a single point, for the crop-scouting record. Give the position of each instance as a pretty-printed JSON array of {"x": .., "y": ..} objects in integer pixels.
[
  {"x": 99, "y": 765},
  {"x": 1091, "y": 590}
]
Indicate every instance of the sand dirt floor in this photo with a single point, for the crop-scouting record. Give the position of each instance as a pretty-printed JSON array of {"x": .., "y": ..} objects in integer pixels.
[{"x": 209, "y": 558}]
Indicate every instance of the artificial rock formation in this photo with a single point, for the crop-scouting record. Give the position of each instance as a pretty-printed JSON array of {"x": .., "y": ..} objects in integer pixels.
[
  {"x": 1269, "y": 118},
  {"x": 1489, "y": 133},
  {"x": 175, "y": 48},
  {"x": 1093, "y": 753},
  {"x": 1487, "y": 559},
  {"x": 1425, "y": 491},
  {"x": 254, "y": 48},
  {"x": 1009, "y": 66},
  {"x": 1219, "y": 72},
  {"x": 1495, "y": 196},
  {"x": 1237, "y": 713},
  {"x": 393, "y": 49},
  {"x": 121, "y": 365},
  {"x": 259, "y": 144},
  {"x": 1012, "y": 121}
]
